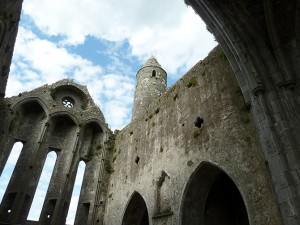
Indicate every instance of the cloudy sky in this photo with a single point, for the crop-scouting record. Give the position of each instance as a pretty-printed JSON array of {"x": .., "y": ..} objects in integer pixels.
[{"x": 102, "y": 44}]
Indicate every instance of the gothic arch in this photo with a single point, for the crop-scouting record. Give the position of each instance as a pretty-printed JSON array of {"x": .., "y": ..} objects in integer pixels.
[
  {"x": 261, "y": 41},
  {"x": 57, "y": 115},
  {"x": 27, "y": 125},
  {"x": 25, "y": 101},
  {"x": 94, "y": 122},
  {"x": 211, "y": 198},
  {"x": 136, "y": 211}
]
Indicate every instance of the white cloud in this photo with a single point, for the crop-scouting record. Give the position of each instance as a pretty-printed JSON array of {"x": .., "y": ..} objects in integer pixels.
[
  {"x": 166, "y": 29},
  {"x": 178, "y": 47},
  {"x": 114, "y": 93},
  {"x": 38, "y": 61},
  {"x": 39, "y": 58}
]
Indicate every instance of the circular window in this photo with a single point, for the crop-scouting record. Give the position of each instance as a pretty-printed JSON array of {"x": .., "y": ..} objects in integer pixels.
[{"x": 68, "y": 102}]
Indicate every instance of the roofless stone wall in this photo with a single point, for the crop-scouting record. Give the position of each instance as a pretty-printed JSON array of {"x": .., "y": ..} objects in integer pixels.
[
  {"x": 60, "y": 118},
  {"x": 184, "y": 152}
]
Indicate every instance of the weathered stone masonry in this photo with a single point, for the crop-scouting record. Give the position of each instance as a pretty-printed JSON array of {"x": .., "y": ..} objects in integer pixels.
[
  {"x": 78, "y": 132},
  {"x": 178, "y": 155},
  {"x": 10, "y": 12},
  {"x": 193, "y": 151}
]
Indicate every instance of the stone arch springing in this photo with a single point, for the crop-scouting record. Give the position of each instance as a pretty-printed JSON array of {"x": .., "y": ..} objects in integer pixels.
[
  {"x": 59, "y": 115},
  {"x": 28, "y": 100},
  {"x": 31, "y": 111},
  {"x": 92, "y": 140},
  {"x": 212, "y": 198},
  {"x": 40, "y": 193},
  {"x": 136, "y": 211}
]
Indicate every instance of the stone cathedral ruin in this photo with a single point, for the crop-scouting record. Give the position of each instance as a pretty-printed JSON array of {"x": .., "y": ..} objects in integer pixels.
[{"x": 220, "y": 147}]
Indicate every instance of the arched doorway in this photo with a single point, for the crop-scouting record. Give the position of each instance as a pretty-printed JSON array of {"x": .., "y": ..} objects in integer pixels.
[
  {"x": 212, "y": 198},
  {"x": 136, "y": 211}
]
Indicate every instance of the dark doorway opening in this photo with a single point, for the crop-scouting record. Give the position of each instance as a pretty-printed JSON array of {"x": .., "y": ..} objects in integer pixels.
[
  {"x": 212, "y": 198},
  {"x": 136, "y": 212}
]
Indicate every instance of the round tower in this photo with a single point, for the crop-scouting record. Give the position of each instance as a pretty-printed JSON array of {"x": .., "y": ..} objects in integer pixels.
[{"x": 151, "y": 84}]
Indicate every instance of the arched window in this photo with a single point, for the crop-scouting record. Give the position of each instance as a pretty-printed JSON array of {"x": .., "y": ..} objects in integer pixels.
[
  {"x": 136, "y": 211},
  {"x": 9, "y": 167},
  {"x": 212, "y": 198},
  {"x": 76, "y": 193},
  {"x": 153, "y": 73},
  {"x": 40, "y": 193}
]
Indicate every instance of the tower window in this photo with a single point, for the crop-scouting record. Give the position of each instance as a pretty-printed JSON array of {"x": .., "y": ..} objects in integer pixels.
[{"x": 153, "y": 73}]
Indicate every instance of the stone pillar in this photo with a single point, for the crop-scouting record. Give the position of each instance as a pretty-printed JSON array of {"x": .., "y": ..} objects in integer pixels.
[
  {"x": 27, "y": 125},
  {"x": 10, "y": 12},
  {"x": 261, "y": 41},
  {"x": 63, "y": 139}
]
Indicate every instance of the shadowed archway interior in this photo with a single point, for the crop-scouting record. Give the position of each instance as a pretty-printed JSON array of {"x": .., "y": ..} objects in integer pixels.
[
  {"x": 136, "y": 212},
  {"x": 212, "y": 198}
]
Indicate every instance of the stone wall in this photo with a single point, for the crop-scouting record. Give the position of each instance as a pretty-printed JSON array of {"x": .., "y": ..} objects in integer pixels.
[
  {"x": 64, "y": 119},
  {"x": 200, "y": 122},
  {"x": 10, "y": 12}
]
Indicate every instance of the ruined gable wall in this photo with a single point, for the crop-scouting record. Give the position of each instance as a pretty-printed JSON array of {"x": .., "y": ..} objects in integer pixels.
[
  {"x": 40, "y": 120},
  {"x": 165, "y": 138}
]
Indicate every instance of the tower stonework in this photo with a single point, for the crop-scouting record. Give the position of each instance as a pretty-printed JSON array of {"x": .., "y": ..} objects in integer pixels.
[{"x": 151, "y": 84}]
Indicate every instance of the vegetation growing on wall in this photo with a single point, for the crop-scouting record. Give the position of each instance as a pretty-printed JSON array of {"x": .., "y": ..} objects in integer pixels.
[
  {"x": 197, "y": 133},
  {"x": 84, "y": 104},
  {"x": 108, "y": 166},
  {"x": 176, "y": 96},
  {"x": 223, "y": 56},
  {"x": 244, "y": 108},
  {"x": 192, "y": 82},
  {"x": 14, "y": 121}
]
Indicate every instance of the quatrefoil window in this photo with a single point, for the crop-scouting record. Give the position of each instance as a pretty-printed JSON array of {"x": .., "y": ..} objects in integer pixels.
[{"x": 68, "y": 102}]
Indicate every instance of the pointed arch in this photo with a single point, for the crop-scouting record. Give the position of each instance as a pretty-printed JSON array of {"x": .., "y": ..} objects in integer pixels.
[
  {"x": 40, "y": 193},
  {"x": 31, "y": 100},
  {"x": 65, "y": 116},
  {"x": 211, "y": 198},
  {"x": 75, "y": 193},
  {"x": 9, "y": 167},
  {"x": 136, "y": 211}
]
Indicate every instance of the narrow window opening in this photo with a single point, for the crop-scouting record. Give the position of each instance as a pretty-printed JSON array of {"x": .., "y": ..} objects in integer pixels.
[
  {"x": 153, "y": 73},
  {"x": 137, "y": 160},
  {"x": 76, "y": 193},
  {"x": 48, "y": 216},
  {"x": 41, "y": 191},
  {"x": 9, "y": 168}
]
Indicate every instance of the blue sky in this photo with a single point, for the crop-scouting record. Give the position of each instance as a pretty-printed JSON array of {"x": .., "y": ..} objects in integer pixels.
[{"x": 102, "y": 44}]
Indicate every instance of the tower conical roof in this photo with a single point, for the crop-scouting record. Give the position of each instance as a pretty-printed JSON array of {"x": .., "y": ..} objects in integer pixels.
[{"x": 151, "y": 62}]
